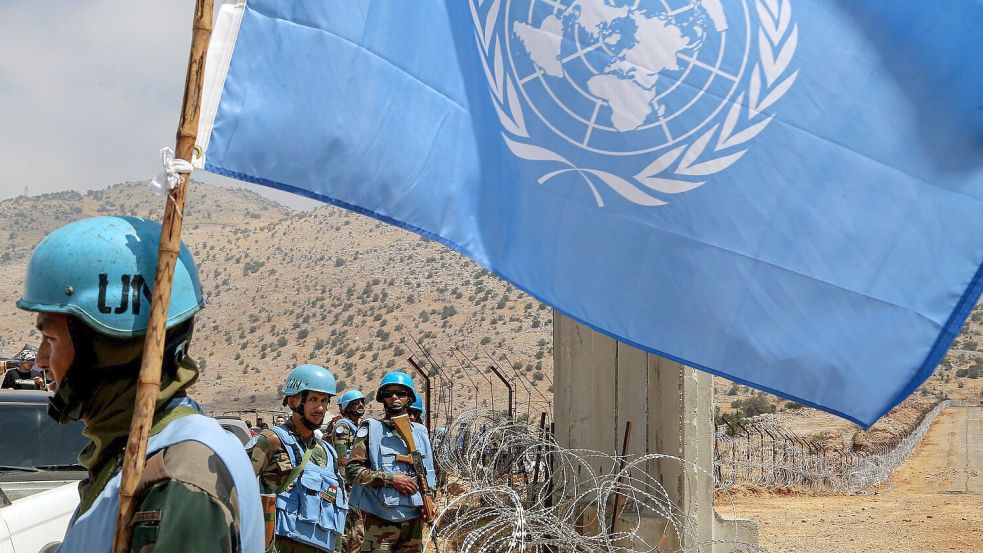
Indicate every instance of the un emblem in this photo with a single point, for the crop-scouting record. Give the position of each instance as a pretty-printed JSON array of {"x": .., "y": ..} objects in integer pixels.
[{"x": 672, "y": 90}]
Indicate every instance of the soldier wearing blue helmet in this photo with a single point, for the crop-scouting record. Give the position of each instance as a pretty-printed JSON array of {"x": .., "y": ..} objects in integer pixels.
[
  {"x": 343, "y": 428},
  {"x": 89, "y": 283},
  {"x": 417, "y": 411},
  {"x": 306, "y": 501},
  {"x": 382, "y": 474}
]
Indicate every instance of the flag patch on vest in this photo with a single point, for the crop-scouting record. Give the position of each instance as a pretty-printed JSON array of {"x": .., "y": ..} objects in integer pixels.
[{"x": 331, "y": 495}]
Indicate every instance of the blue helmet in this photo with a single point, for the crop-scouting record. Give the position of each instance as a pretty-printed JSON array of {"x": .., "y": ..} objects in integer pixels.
[
  {"x": 101, "y": 270},
  {"x": 310, "y": 377},
  {"x": 418, "y": 405},
  {"x": 348, "y": 397},
  {"x": 400, "y": 378}
]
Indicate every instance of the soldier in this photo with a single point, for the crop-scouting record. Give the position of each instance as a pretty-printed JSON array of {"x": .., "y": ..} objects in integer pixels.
[
  {"x": 25, "y": 376},
  {"x": 352, "y": 407},
  {"x": 300, "y": 469},
  {"x": 89, "y": 284},
  {"x": 418, "y": 411},
  {"x": 383, "y": 482}
]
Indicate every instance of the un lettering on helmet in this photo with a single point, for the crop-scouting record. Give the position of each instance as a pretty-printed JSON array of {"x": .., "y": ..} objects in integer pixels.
[{"x": 101, "y": 270}]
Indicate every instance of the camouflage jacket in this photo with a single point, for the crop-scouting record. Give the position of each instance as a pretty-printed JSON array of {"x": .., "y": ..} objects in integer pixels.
[
  {"x": 271, "y": 462},
  {"x": 357, "y": 469},
  {"x": 342, "y": 438},
  {"x": 186, "y": 501}
]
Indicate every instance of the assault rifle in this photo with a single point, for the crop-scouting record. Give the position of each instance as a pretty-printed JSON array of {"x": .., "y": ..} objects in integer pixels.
[{"x": 405, "y": 430}]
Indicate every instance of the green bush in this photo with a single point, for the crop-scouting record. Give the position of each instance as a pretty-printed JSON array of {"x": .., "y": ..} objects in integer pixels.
[
  {"x": 753, "y": 406},
  {"x": 251, "y": 267},
  {"x": 735, "y": 420}
]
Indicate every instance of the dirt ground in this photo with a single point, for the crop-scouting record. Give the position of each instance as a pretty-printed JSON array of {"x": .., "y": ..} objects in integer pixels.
[{"x": 933, "y": 503}]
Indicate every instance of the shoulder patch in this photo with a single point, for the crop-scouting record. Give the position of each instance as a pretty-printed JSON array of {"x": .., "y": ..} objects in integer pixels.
[
  {"x": 340, "y": 430},
  {"x": 362, "y": 432}
]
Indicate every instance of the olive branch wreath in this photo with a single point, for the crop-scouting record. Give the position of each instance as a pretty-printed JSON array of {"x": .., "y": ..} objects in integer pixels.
[{"x": 777, "y": 40}]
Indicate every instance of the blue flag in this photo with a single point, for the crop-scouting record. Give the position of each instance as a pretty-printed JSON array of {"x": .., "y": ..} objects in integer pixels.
[{"x": 787, "y": 193}]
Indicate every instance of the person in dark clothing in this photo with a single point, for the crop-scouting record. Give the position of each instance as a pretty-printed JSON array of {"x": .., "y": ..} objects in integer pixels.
[{"x": 25, "y": 377}]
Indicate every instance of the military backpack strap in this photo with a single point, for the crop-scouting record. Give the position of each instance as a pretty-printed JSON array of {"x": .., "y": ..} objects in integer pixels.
[
  {"x": 296, "y": 472},
  {"x": 171, "y": 416}
]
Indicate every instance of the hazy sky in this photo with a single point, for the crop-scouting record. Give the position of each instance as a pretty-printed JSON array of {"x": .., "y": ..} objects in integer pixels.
[{"x": 90, "y": 91}]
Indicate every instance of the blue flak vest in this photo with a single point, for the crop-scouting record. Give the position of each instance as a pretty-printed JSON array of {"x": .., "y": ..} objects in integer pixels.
[
  {"x": 383, "y": 446},
  {"x": 347, "y": 422},
  {"x": 304, "y": 513},
  {"x": 93, "y": 531}
]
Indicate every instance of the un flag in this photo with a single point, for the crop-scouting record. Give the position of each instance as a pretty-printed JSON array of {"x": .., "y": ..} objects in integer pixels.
[{"x": 788, "y": 193}]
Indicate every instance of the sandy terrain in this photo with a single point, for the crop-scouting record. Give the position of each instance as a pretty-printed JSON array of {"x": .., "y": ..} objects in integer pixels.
[{"x": 934, "y": 502}]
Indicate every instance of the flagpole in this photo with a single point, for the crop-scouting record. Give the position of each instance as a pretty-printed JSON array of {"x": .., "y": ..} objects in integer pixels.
[{"x": 148, "y": 383}]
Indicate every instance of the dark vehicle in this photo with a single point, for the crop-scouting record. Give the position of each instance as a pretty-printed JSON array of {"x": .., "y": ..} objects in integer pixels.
[
  {"x": 39, "y": 472},
  {"x": 36, "y": 453}
]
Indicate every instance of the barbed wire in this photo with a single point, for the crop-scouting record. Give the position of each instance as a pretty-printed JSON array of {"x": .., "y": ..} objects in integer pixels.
[
  {"x": 510, "y": 487},
  {"x": 761, "y": 454}
]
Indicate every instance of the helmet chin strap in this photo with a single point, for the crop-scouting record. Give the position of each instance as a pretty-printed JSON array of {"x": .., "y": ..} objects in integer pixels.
[
  {"x": 299, "y": 409},
  {"x": 396, "y": 412}
]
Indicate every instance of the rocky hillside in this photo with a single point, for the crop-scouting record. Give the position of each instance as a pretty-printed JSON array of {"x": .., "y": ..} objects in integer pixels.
[
  {"x": 285, "y": 287},
  {"x": 327, "y": 286}
]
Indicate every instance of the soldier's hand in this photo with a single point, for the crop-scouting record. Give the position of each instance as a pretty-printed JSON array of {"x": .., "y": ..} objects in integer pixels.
[{"x": 404, "y": 484}]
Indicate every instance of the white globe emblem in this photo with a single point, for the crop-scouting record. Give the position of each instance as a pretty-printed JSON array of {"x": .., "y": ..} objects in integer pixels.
[{"x": 678, "y": 85}]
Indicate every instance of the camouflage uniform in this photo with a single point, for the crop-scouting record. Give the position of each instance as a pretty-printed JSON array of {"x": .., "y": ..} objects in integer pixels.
[
  {"x": 179, "y": 495},
  {"x": 272, "y": 464},
  {"x": 183, "y": 486},
  {"x": 381, "y": 535},
  {"x": 398, "y": 537},
  {"x": 342, "y": 439}
]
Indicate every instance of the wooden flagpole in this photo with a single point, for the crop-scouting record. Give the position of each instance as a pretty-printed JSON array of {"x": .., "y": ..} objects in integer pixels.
[{"x": 148, "y": 383}]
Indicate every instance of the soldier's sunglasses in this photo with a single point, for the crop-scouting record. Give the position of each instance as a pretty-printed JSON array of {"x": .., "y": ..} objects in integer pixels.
[{"x": 394, "y": 393}]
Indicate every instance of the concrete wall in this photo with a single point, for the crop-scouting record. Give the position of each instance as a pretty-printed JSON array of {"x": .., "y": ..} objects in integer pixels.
[{"x": 600, "y": 384}]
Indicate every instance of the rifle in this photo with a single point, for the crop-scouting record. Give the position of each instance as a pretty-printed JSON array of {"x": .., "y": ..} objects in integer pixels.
[{"x": 405, "y": 431}]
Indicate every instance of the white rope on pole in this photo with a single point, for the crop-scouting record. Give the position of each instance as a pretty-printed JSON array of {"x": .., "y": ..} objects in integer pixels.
[{"x": 169, "y": 176}]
